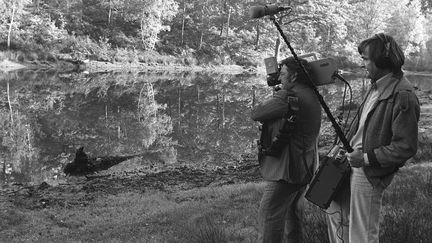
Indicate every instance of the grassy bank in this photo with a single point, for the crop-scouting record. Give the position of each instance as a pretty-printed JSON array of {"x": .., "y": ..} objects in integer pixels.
[{"x": 226, "y": 213}]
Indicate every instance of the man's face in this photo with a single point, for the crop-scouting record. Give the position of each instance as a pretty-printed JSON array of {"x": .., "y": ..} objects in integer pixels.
[
  {"x": 369, "y": 64},
  {"x": 286, "y": 77}
]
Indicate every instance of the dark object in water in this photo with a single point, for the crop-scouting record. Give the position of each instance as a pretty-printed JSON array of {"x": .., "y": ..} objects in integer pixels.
[{"x": 84, "y": 165}]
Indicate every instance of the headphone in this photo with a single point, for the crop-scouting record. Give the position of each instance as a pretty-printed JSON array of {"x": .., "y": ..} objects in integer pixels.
[{"x": 383, "y": 60}]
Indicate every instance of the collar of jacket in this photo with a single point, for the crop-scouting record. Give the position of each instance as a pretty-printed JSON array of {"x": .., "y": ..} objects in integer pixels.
[{"x": 390, "y": 84}]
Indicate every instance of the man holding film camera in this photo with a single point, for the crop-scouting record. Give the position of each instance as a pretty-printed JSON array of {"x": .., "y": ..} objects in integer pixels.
[
  {"x": 383, "y": 136},
  {"x": 291, "y": 122}
]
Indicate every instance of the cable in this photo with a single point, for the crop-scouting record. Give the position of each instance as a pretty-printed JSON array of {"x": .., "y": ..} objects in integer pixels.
[
  {"x": 345, "y": 128},
  {"x": 340, "y": 227}
]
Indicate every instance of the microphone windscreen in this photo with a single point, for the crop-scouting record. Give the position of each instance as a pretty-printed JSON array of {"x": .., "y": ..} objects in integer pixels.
[{"x": 256, "y": 12}]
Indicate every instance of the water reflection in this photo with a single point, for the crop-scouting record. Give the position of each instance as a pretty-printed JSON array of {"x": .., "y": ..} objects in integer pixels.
[{"x": 182, "y": 118}]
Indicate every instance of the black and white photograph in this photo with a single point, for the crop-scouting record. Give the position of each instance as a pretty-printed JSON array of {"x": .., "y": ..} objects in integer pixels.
[{"x": 216, "y": 121}]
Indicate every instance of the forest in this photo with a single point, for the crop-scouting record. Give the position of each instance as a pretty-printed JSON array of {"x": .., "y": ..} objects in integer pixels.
[{"x": 208, "y": 32}]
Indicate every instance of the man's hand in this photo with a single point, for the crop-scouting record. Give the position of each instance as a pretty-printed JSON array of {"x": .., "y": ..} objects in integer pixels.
[{"x": 356, "y": 159}]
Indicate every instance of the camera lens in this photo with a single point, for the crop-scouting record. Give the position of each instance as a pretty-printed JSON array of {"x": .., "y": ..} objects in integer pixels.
[{"x": 273, "y": 79}]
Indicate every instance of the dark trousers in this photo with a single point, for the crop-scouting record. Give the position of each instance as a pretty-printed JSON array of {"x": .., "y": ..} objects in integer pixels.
[{"x": 281, "y": 212}]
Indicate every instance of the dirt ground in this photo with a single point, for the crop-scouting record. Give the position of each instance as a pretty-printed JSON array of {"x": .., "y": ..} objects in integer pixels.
[{"x": 82, "y": 190}]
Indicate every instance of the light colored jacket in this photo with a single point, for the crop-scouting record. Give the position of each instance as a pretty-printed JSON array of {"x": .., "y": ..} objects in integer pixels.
[{"x": 298, "y": 158}]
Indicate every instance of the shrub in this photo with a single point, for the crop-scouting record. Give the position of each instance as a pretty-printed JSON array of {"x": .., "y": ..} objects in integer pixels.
[
  {"x": 206, "y": 230},
  {"x": 121, "y": 55},
  {"x": 41, "y": 31}
]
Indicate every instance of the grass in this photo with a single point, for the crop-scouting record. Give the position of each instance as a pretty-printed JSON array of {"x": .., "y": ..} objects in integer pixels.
[{"x": 212, "y": 214}]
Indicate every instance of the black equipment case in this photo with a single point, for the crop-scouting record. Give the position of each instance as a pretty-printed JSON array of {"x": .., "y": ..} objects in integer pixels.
[{"x": 332, "y": 173}]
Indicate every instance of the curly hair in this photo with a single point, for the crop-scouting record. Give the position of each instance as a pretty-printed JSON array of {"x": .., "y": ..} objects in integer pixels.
[{"x": 293, "y": 66}]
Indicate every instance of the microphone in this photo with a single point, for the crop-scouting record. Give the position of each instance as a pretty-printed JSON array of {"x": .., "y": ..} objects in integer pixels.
[{"x": 261, "y": 11}]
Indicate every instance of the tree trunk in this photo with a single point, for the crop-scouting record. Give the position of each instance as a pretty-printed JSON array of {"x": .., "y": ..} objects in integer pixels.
[
  {"x": 179, "y": 110},
  {"x": 118, "y": 126},
  {"x": 223, "y": 108},
  {"x": 109, "y": 13},
  {"x": 68, "y": 6},
  {"x": 221, "y": 28},
  {"x": 139, "y": 103},
  {"x": 3, "y": 177},
  {"x": 9, "y": 102},
  {"x": 228, "y": 22},
  {"x": 222, "y": 19},
  {"x": 202, "y": 29},
  {"x": 257, "y": 37},
  {"x": 183, "y": 22},
  {"x": 198, "y": 111},
  {"x": 253, "y": 97},
  {"x": 106, "y": 114},
  {"x": 218, "y": 110},
  {"x": 10, "y": 25},
  {"x": 201, "y": 40},
  {"x": 142, "y": 33},
  {"x": 36, "y": 5}
]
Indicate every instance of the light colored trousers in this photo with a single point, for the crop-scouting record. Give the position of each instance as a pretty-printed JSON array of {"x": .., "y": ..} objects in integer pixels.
[
  {"x": 354, "y": 217},
  {"x": 281, "y": 212}
]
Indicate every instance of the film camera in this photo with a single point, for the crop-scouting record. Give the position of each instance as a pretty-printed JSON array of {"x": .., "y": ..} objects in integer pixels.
[{"x": 323, "y": 70}]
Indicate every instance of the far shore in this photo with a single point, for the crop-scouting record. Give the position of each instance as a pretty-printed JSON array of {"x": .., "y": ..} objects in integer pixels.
[
  {"x": 92, "y": 66},
  {"x": 98, "y": 66}
]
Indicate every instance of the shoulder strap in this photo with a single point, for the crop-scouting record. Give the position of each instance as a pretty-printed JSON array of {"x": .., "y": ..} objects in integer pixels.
[{"x": 293, "y": 108}]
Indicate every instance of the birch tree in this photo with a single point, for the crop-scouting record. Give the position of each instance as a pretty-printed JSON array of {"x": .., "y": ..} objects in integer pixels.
[{"x": 10, "y": 10}]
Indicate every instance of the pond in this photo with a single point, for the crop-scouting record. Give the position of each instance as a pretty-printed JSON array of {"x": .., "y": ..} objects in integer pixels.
[{"x": 197, "y": 119}]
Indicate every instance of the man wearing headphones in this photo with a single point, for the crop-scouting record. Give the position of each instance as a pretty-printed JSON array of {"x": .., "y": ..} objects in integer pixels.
[{"x": 383, "y": 136}]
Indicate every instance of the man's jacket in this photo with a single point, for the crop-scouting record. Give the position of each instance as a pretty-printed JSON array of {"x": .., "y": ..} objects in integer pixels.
[
  {"x": 298, "y": 158},
  {"x": 390, "y": 130}
]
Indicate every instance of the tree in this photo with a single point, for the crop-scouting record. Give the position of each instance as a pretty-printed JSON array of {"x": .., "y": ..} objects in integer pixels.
[
  {"x": 150, "y": 15},
  {"x": 426, "y": 5},
  {"x": 11, "y": 10}
]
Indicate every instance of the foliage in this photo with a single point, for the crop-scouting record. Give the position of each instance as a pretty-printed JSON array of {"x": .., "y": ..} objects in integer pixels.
[
  {"x": 40, "y": 30},
  {"x": 150, "y": 16},
  {"x": 11, "y": 11},
  {"x": 426, "y": 5},
  {"x": 217, "y": 31}
]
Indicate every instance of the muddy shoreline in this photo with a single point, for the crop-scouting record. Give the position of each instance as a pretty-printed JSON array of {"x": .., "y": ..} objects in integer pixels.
[{"x": 81, "y": 190}]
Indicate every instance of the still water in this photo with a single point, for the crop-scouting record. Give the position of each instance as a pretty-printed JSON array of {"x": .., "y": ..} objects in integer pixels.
[{"x": 177, "y": 118}]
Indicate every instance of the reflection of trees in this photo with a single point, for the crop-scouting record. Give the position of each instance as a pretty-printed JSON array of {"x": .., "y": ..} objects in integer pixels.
[
  {"x": 70, "y": 110},
  {"x": 154, "y": 124},
  {"x": 17, "y": 141},
  {"x": 212, "y": 118}
]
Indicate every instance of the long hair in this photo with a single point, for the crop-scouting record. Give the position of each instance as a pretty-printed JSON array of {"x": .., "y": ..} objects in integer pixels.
[{"x": 384, "y": 52}]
